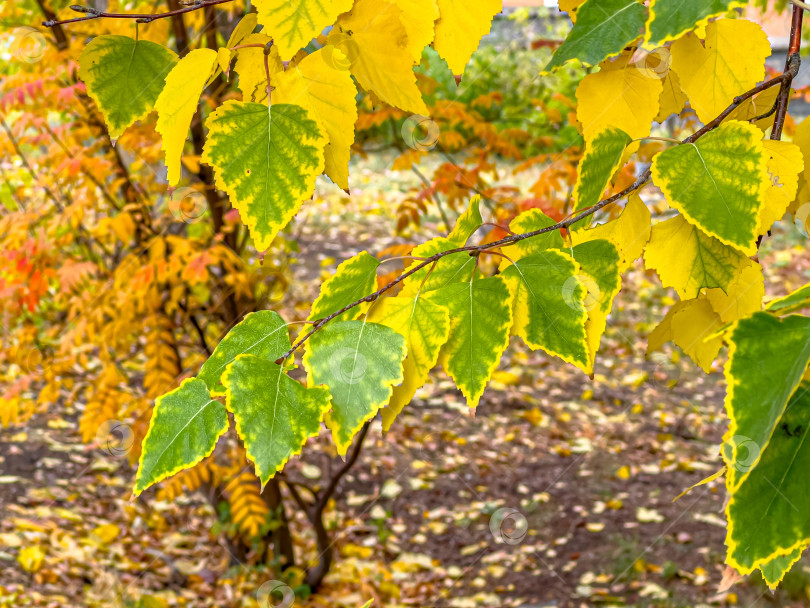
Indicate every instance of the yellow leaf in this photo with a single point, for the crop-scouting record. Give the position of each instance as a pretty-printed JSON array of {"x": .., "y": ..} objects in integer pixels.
[
  {"x": 177, "y": 104},
  {"x": 224, "y": 60},
  {"x": 250, "y": 67},
  {"x": 731, "y": 62},
  {"x": 106, "y": 533},
  {"x": 629, "y": 232},
  {"x": 785, "y": 164},
  {"x": 426, "y": 327},
  {"x": 294, "y": 23},
  {"x": 31, "y": 558},
  {"x": 756, "y": 106},
  {"x": 328, "y": 95},
  {"x": 688, "y": 259},
  {"x": 418, "y": 17},
  {"x": 243, "y": 29},
  {"x": 460, "y": 27},
  {"x": 619, "y": 95},
  {"x": 570, "y": 5},
  {"x": 743, "y": 297},
  {"x": 376, "y": 43},
  {"x": 802, "y": 139},
  {"x": 673, "y": 99},
  {"x": 688, "y": 324},
  {"x": 623, "y": 472}
]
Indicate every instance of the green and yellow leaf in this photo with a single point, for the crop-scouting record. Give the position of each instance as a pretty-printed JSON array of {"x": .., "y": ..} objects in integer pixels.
[
  {"x": 758, "y": 394},
  {"x": 354, "y": 279},
  {"x": 602, "y": 158},
  {"x": 670, "y": 19},
  {"x": 124, "y": 77},
  {"x": 599, "y": 260},
  {"x": 529, "y": 221},
  {"x": 550, "y": 305},
  {"x": 274, "y": 414},
  {"x": 688, "y": 259},
  {"x": 262, "y": 334},
  {"x": 266, "y": 159},
  {"x": 360, "y": 363},
  {"x": 426, "y": 328},
  {"x": 185, "y": 426},
  {"x": 467, "y": 223},
  {"x": 767, "y": 511},
  {"x": 603, "y": 28},
  {"x": 453, "y": 268},
  {"x": 718, "y": 183},
  {"x": 481, "y": 313}
]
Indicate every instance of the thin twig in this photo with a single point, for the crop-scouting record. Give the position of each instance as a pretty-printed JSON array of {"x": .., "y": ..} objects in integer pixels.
[
  {"x": 94, "y": 13},
  {"x": 566, "y": 223}
]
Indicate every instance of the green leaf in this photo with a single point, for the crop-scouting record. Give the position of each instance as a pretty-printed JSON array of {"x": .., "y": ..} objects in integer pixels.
[
  {"x": 359, "y": 362},
  {"x": 767, "y": 358},
  {"x": 184, "y": 429},
  {"x": 599, "y": 260},
  {"x": 353, "y": 279},
  {"x": 688, "y": 259},
  {"x": 467, "y": 223},
  {"x": 124, "y": 77},
  {"x": 603, "y": 157},
  {"x": 274, "y": 414},
  {"x": 603, "y": 29},
  {"x": 453, "y": 268},
  {"x": 426, "y": 328},
  {"x": 263, "y": 333},
  {"x": 266, "y": 160},
  {"x": 775, "y": 570},
  {"x": 718, "y": 183},
  {"x": 482, "y": 315},
  {"x": 549, "y": 307},
  {"x": 670, "y": 19},
  {"x": 767, "y": 513},
  {"x": 529, "y": 221},
  {"x": 792, "y": 302}
]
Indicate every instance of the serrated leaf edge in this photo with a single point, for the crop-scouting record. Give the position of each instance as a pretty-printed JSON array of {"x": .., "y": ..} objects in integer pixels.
[
  {"x": 342, "y": 447},
  {"x": 764, "y": 184},
  {"x": 229, "y": 396},
  {"x": 583, "y": 318},
  {"x": 174, "y": 471},
  {"x": 651, "y": 17}
]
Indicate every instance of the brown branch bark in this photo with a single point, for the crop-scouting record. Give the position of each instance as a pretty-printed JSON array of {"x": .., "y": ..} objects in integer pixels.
[
  {"x": 792, "y": 69},
  {"x": 62, "y": 41},
  {"x": 324, "y": 542},
  {"x": 93, "y": 13}
]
